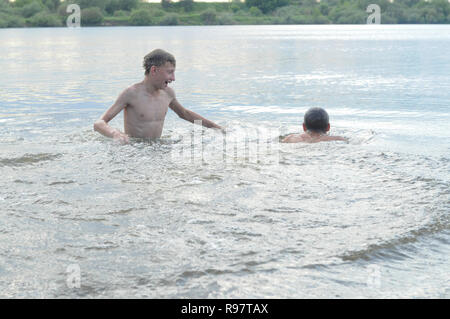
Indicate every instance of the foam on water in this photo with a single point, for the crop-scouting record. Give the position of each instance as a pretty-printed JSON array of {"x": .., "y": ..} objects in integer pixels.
[{"x": 320, "y": 207}]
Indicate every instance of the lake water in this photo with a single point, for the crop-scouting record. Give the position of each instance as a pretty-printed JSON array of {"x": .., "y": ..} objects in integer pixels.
[{"x": 83, "y": 217}]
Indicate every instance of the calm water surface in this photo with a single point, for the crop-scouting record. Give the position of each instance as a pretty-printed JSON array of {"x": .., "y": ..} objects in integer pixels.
[{"x": 84, "y": 217}]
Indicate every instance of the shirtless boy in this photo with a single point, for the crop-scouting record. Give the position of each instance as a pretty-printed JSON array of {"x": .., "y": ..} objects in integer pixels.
[
  {"x": 145, "y": 104},
  {"x": 316, "y": 125}
]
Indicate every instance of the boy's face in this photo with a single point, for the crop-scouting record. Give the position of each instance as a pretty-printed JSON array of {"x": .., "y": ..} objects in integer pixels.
[{"x": 163, "y": 74}]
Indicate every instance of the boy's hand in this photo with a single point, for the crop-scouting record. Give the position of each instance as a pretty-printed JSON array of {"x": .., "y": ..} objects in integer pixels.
[
  {"x": 121, "y": 138},
  {"x": 220, "y": 128}
]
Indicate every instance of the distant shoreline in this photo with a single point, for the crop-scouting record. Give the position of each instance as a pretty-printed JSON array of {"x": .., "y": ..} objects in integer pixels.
[
  {"x": 217, "y": 25},
  {"x": 34, "y": 13}
]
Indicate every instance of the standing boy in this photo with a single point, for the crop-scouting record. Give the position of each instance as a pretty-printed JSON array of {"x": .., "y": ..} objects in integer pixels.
[{"x": 145, "y": 104}]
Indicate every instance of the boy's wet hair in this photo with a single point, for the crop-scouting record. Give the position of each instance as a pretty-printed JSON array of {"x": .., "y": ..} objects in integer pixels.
[
  {"x": 157, "y": 57},
  {"x": 316, "y": 120}
]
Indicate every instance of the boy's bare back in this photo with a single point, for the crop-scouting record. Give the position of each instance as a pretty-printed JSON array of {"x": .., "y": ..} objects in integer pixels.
[{"x": 307, "y": 138}]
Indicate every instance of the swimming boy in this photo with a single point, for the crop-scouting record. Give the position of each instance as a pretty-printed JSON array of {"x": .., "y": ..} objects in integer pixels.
[
  {"x": 145, "y": 104},
  {"x": 315, "y": 125}
]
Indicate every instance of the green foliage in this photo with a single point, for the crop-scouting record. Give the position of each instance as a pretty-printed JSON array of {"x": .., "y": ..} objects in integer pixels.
[
  {"x": 170, "y": 19},
  {"x": 141, "y": 17},
  {"x": 288, "y": 10},
  {"x": 9, "y": 21},
  {"x": 209, "y": 16},
  {"x": 3, "y": 21},
  {"x": 301, "y": 15},
  {"x": 121, "y": 13},
  {"x": 342, "y": 13},
  {"x": 324, "y": 9},
  {"x": 32, "y": 8},
  {"x": 112, "y": 6},
  {"x": 22, "y": 13},
  {"x": 353, "y": 17},
  {"x": 45, "y": 19},
  {"x": 442, "y": 6},
  {"x": 84, "y": 4},
  {"x": 255, "y": 11},
  {"x": 91, "y": 16},
  {"x": 432, "y": 15},
  {"x": 393, "y": 14},
  {"x": 187, "y": 5},
  {"x": 128, "y": 5},
  {"x": 225, "y": 18},
  {"x": 51, "y": 5},
  {"x": 21, "y": 3},
  {"x": 62, "y": 10},
  {"x": 266, "y": 5},
  {"x": 408, "y": 3},
  {"x": 116, "y": 21},
  {"x": 166, "y": 4},
  {"x": 158, "y": 13},
  {"x": 235, "y": 7}
]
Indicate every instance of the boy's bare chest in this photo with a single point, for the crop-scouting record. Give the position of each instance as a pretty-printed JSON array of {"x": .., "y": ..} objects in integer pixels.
[{"x": 149, "y": 108}]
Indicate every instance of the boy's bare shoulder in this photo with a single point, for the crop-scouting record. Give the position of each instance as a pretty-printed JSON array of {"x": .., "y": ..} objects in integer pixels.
[
  {"x": 170, "y": 92},
  {"x": 134, "y": 88},
  {"x": 133, "y": 92},
  {"x": 293, "y": 138},
  {"x": 130, "y": 92}
]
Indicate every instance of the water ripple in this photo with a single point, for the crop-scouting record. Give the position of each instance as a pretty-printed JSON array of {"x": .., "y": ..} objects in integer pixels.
[{"x": 28, "y": 159}]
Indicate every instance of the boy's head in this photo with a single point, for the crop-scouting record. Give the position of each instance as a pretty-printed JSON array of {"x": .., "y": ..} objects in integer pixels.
[
  {"x": 157, "y": 58},
  {"x": 316, "y": 120}
]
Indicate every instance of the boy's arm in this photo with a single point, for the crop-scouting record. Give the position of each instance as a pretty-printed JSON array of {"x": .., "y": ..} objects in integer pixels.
[
  {"x": 188, "y": 115},
  {"x": 101, "y": 125}
]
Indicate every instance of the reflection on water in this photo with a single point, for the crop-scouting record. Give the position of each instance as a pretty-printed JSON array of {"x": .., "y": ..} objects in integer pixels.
[{"x": 200, "y": 214}]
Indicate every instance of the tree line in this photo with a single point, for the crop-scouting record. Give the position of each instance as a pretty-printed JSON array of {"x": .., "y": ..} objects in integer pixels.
[{"x": 53, "y": 13}]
